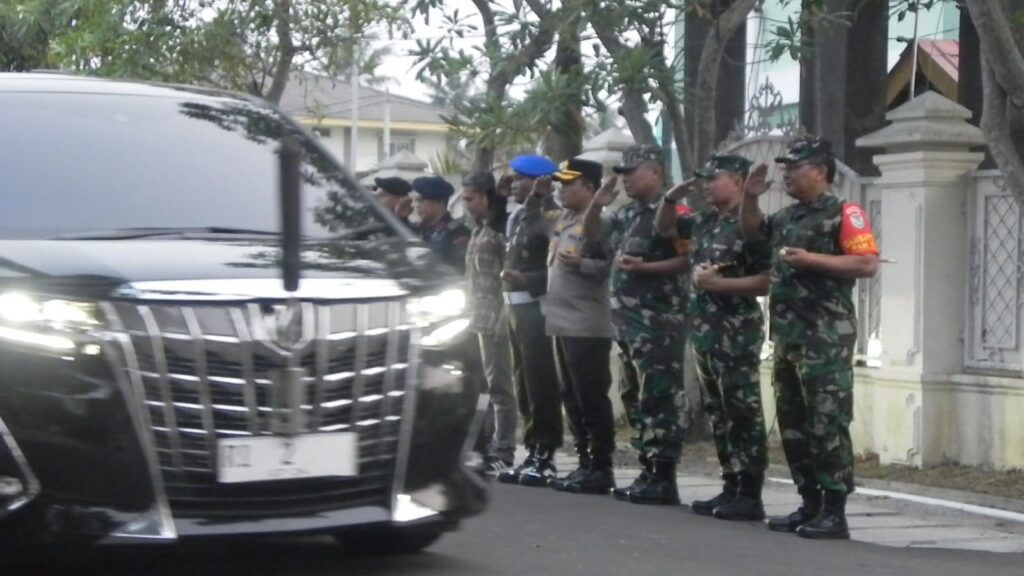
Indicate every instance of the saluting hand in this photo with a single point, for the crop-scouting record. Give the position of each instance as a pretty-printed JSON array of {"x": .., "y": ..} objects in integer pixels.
[
  {"x": 608, "y": 192},
  {"x": 542, "y": 186},
  {"x": 681, "y": 191},
  {"x": 404, "y": 208},
  {"x": 504, "y": 185},
  {"x": 757, "y": 182}
]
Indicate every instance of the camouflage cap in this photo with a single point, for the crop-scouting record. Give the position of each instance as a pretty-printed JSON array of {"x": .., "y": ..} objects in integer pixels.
[
  {"x": 807, "y": 148},
  {"x": 724, "y": 163},
  {"x": 636, "y": 156}
]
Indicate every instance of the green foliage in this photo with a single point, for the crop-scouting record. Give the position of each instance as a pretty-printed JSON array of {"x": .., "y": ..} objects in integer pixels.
[{"x": 234, "y": 44}]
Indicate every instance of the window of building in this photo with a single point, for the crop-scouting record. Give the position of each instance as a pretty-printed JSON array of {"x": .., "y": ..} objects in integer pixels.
[{"x": 398, "y": 143}]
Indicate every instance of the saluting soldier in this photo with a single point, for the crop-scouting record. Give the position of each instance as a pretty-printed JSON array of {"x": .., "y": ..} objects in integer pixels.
[
  {"x": 485, "y": 257},
  {"x": 820, "y": 246},
  {"x": 727, "y": 330},
  {"x": 445, "y": 235},
  {"x": 578, "y": 317},
  {"x": 393, "y": 193},
  {"x": 647, "y": 300},
  {"x": 525, "y": 281}
]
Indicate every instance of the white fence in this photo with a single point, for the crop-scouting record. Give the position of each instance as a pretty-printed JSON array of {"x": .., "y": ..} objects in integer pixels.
[{"x": 994, "y": 305}]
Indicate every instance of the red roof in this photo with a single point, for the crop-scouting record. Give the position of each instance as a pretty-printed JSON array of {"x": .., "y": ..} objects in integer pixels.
[{"x": 944, "y": 53}]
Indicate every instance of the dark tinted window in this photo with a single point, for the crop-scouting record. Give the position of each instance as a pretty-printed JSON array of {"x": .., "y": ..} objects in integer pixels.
[{"x": 77, "y": 163}]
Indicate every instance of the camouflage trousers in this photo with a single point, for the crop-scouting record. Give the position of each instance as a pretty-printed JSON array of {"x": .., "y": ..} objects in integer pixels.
[
  {"x": 814, "y": 402},
  {"x": 651, "y": 388},
  {"x": 731, "y": 394}
]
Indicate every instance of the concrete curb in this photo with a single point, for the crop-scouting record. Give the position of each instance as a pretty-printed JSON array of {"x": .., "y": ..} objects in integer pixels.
[{"x": 958, "y": 496}]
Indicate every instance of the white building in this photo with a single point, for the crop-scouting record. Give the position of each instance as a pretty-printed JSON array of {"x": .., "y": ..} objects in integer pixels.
[{"x": 325, "y": 106}]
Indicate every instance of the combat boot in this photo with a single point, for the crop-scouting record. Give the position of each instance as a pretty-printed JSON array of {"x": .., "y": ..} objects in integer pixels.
[
  {"x": 639, "y": 484},
  {"x": 808, "y": 511},
  {"x": 542, "y": 471},
  {"x": 512, "y": 476},
  {"x": 583, "y": 468},
  {"x": 597, "y": 479},
  {"x": 661, "y": 488},
  {"x": 729, "y": 491},
  {"x": 831, "y": 523},
  {"x": 747, "y": 506}
]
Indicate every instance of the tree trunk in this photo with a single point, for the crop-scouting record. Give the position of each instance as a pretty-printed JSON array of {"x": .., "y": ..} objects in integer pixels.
[
  {"x": 830, "y": 79},
  {"x": 695, "y": 34},
  {"x": 866, "y": 73},
  {"x": 285, "y": 51},
  {"x": 707, "y": 75},
  {"x": 565, "y": 140},
  {"x": 634, "y": 110},
  {"x": 808, "y": 77},
  {"x": 732, "y": 85},
  {"x": 969, "y": 85},
  {"x": 1003, "y": 89}
]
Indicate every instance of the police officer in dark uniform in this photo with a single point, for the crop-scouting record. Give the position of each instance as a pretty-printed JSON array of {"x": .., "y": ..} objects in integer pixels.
[
  {"x": 445, "y": 235},
  {"x": 393, "y": 193}
]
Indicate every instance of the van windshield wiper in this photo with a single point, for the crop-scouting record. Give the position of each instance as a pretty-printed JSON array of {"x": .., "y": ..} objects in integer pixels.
[{"x": 133, "y": 233}]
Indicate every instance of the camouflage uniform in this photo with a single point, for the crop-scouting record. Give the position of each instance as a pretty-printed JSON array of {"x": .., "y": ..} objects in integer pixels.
[
  {"x": 647, "y": 314},
  {"x": 814, "y": 327},
  {"x": 484, "y": 261},
  {"x": 726, "y": 334}
]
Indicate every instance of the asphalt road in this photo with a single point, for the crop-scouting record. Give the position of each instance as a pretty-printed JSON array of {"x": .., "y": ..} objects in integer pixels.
[{"x": 540, "y": 532}]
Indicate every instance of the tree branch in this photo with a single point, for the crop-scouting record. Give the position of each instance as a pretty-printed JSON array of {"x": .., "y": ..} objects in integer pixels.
[
  {"x": 490, "y": 27},
  {"x": 995, "y": 123},
  {"x": 999, "y": 47},
  {"x": 285, "y": 50},
  {"x": 634, "y": 105}
]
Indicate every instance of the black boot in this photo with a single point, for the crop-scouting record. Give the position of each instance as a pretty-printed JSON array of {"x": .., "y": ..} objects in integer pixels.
[
  {"x": 747, "y": 506},
  {"x": 638, "y": 484},
  {"x": 597, "y": 479},
  {"x": 661, "y": 488},
  {"x": 512, "y": 476},
  {"x": 583, "y": 468},
  {"x": 729, "y": 490},
  {"x": 542, "y": 471},
  {"x": 808, "y": 511},
  {"x": 831, "y": 523}
]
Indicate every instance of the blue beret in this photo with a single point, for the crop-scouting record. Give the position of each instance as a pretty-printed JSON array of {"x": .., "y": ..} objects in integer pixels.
[
  {"x": 433, "y": 188},
  {"x": 533, "y": 166}
]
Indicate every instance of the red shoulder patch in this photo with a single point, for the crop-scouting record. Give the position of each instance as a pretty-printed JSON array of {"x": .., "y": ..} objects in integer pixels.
[{"x": 855, "y": 237}]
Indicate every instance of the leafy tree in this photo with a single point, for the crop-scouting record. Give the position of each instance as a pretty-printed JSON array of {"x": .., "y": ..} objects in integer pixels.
[
  {"x": 248, "y": 45},
  {"x": 515, "y": 41}
]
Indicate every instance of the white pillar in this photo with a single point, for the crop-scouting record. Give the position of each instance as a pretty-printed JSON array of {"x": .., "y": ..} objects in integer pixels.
[{"x": 926, "y": 160}]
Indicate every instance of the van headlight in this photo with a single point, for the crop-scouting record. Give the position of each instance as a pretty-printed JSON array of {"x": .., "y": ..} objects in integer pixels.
[
  {"x": 441, "y": 316},
  {"x": 39, "y": 322},
  {"x": 429, "y": 310}
]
